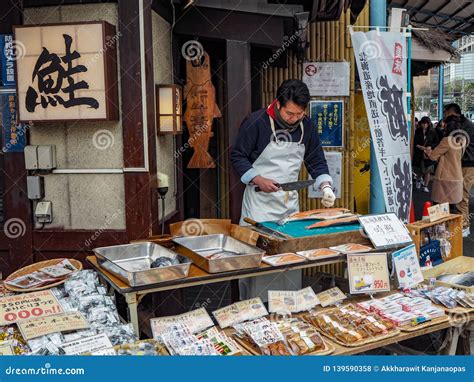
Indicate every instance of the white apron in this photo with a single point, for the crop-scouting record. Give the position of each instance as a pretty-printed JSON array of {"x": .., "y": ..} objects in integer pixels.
[{"x": 280, "y": 161}]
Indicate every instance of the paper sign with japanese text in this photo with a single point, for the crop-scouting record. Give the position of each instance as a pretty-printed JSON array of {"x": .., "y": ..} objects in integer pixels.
[
  {"x": 368, "y": 273},
  {"x": 331, "y": 296},
  {"x": 438, "y": 212},
  {"x": 407, "y": 266},
  {"x": 327, "y": 78},
  {"x": 385, "y": 230},
  {"x": 41, "y": 326},
  {"x": 280, "y": 301},
  {"x": 95, "y": 345},
  {"x": 240, "y": 311},
  {"x": 196, "y": 321},
  {"x": 28, "y": 305}
]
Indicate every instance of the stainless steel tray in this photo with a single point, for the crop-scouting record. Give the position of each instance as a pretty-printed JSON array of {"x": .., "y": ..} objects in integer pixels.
[
  {"x": 131, "y": 263},
  {"x": 200, "y": 248}
]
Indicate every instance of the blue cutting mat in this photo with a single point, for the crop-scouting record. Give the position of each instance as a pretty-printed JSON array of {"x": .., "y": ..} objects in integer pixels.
[{"x": 297, "y": 228}]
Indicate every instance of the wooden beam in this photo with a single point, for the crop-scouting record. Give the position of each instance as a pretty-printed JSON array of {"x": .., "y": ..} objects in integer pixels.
[
  {"x": 239, "y": 106},
  {"x": 141, "y": 204},
  {"x": 257, "y": 29}
]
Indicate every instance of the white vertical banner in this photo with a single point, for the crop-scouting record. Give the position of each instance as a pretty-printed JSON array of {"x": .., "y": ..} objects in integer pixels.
[{"x": 382, "y": 66}]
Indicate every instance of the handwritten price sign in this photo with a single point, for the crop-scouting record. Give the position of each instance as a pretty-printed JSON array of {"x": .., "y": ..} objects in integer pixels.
[
  {"x": 368, "y": 273},
  {"x": 28, "y": 305}
]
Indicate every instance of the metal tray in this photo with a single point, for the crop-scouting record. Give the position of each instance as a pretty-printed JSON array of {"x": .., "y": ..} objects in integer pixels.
[
  {"x": 131, "y": 263},
  {"x": 199, "y": 248}
]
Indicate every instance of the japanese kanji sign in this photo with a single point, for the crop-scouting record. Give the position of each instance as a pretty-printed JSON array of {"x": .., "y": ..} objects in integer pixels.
[
  {"x": 368, "y": 273},
  {"x": 14, "y": 134},
  {"x": 385, "y": 230},
  {"x": 67, "y": 72},
  {"x": 329, "y": 119},
  {"x": 7, "y": 61},
  {"x": 28, "y": 305},
  {"x": 62, "y": 322},
  {"x": 381, "y": 62}
]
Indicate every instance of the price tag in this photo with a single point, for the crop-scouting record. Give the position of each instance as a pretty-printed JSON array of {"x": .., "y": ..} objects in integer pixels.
[
  {"x": 368, "y": 273},
  {"x": 385, "y": 230},
  {"x": 330, "y": 296}
]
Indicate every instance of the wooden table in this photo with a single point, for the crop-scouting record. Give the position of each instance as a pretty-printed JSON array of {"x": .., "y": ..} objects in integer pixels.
[{"x": 133, "y": 295}]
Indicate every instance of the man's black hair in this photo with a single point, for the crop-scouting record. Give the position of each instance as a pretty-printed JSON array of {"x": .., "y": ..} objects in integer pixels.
[
  {"x": 295, "y": 91},
  {"x": 453, "y": 107}
]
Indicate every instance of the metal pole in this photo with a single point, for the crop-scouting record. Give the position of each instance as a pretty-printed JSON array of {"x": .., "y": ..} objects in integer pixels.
[
  {"x": 378, "y": 17},
  {"x": 440, "y": 92}
]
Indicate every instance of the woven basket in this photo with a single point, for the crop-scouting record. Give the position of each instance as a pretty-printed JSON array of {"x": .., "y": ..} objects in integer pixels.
[{"x": 36, "y": 266}]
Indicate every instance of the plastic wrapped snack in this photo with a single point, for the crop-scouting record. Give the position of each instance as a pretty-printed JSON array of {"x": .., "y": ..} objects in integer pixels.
[
  {"x": 102, "y": 316},
  {"x": 302, "y": 338},
  {"x": 12, "y": 334},
  {"x": 120, "y": 334}
]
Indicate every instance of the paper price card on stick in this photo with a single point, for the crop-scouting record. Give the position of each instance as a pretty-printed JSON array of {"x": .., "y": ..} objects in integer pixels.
[
  {"x": 291, "y": 301},
  {"x": 41, "y": 326},
  {"x": 368, "y": 273},
  {"x": 28, "y": 305},
  {"x": 407, "y": 267},
  {"x": 330, "y": 296},
  {"x": 385, "y": 230}
]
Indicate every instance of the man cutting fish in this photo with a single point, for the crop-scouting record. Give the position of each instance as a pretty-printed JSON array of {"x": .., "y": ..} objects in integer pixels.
[{"x": 271, "y": 147}]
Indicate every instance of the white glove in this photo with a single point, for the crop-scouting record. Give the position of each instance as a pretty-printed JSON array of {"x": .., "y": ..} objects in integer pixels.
[{"x": 328, "y": 197}]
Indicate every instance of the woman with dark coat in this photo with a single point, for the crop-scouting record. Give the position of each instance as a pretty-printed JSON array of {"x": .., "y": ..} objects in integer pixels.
[{"x": 425, "y": 136}]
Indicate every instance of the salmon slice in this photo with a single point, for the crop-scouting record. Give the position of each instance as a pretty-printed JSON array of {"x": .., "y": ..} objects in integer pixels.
[
  {"x": 333, "y": 222},
  {"x": 311, "y": 213}
]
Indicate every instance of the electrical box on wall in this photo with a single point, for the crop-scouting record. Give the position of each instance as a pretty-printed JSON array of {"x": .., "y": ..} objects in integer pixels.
[
  {"x": 31, "y": 157},
  {"x": 40, "y": 157},
  {"x": 44, "y": 212},
  {"x": 35, "y": 187}
]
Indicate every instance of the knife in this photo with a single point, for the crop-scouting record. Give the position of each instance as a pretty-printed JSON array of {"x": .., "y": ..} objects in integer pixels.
[
  {"x": 292, "y": 186},
  {"x": 259, "y": 227}
]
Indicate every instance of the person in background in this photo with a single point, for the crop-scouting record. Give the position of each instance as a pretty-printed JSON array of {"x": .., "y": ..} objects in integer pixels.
[
  {"x": 440, "y": 130},
  {"x": 467, "y": 163},
  {"x": 425, "y": 136},
  {"x": 448, "y": 179}
]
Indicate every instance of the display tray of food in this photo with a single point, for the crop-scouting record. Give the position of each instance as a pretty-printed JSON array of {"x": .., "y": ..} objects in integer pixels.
[
  {"x": 219, "y": 252},
  {"x": 284, "y": 259},
  {"x": 143, "y": 263},
  {"x": 452, "y": 300},
  {"x": 456, "y": 273},
  {"x": 142, "y": 347},
  {"x": 291, "y": 336},
  {"x": 42, "y": 275},
  {"x": 320, "y": 253},
  {"x": 351, "y": 326}
]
